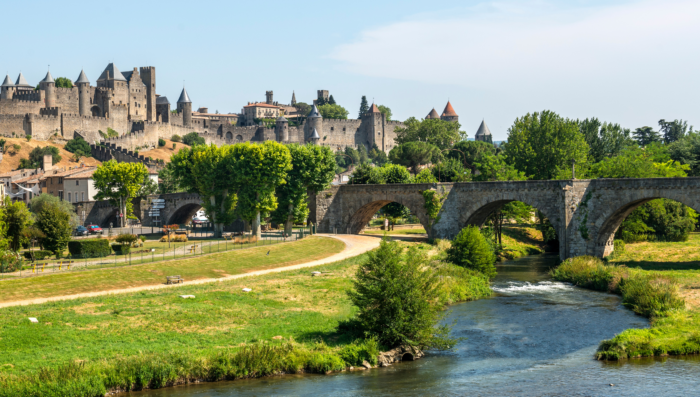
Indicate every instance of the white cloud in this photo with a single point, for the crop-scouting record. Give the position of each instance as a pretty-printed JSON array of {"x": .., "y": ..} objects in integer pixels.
[{"x": 500, "y": 46}]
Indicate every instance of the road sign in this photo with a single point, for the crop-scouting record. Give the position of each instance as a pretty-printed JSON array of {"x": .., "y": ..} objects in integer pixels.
[{"x": 158, "y": 200}]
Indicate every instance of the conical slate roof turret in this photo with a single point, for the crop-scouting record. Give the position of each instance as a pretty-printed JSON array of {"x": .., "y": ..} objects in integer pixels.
[
  {"x": 433, "y": 115},
  {"x": 82, "y": 78},
  {"x": 314, "y": 113},
  {"x": 315, "y": 135},
  {"x": 483, "y": 129},
  {"x": 184, "y": 98},
  {"x": 22, "y": 82},
  {"x": 48, "y": 78},
  {"x": 282, "y": 118},
  {"x": 449, "y": 110},
  {"x": 162, "y": 100},
  {"x": 294, "y": 99},
  {"x": 7, "y": 82},
  {"x": 113, "y": 73}
]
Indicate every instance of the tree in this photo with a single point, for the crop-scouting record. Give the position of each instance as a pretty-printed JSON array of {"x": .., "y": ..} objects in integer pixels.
[
  {"x": 119, "y": 183},
  {"x": 543, "y": 145},
  {"x": 175, "y": 138},
  {"x": 440, "y": 133},
  {"x": 260, "y": 169},
  {"x": 377, "y": 156},
  {"x": 471, "y": 152},
  {"x": 313, "y": 169},
  {"x": 385, "y": 111},
  {"x": 687, "y": 151},
  {"x": 36, "y": 157},
  {"x": 471, "y": 250},
  {"x": 397, "y": 298},
  {"x": 425, "y": 176},
  {"x": 303, "y": 109},
  {"x": 645, "y": 136},
  {"x": 63, "y": 82},
  {"x": 331, "y": 101},
  {"x": 54, "y": 222},
  {"x": 604, "y": 140},
  {"x": 193, "y": 139},
  {"x": 78, "y": 146},
  {"x": 495, "y": 168},
  {"x": 637, "y": 163},
  {"x": 414, "y": 154},
  {"x": 364, "y": 107},
  {"x": 329, "y": 111},
  {"x": 673, "y": 130},
  {"x": 17, "y": 218},
  {"x": 39, "y": 202},
  {"x": 451, "y": 170},
  {"x": 362, "y": 152},
  {"x": 169, "y": 182}
]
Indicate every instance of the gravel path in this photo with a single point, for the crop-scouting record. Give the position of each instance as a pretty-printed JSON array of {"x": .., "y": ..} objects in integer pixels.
[{"x": 354, "y": 245}]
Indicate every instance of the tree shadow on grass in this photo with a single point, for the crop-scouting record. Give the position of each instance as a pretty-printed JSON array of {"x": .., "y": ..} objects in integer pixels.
[
  {"x": 346, "y": 332},
  {"x": 649, "y": 265}
]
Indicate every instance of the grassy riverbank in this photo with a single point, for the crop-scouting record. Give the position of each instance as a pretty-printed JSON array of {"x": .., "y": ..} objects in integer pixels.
[
  {"x": 658, "y": 294},
  {"x": 288, "y": 323}
]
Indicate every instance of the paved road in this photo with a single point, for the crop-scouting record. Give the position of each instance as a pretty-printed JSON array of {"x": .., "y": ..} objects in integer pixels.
[{"x": 354, "y": 245}]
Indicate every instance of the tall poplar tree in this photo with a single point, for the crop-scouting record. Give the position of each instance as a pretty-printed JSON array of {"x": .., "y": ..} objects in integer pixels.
[{"x": 364, "y": 107}]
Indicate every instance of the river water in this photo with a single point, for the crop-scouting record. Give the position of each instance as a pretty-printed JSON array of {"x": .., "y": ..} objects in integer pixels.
[{"x": 535, "y": 337}]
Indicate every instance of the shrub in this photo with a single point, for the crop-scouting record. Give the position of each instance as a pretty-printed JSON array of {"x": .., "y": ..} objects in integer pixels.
[
  {"x": 28, "y": 138},
  {"x": 78, "y": 146},
  {"x": 357, "y": 352},
  {"x": 89, "y": 248},
  {"x": 193, "y": 139},
  {"x": 38, "y": 254},
  {"x": 174, "y": 238},
  {"x": 161, "y": 142},
  {"x": 398, "y": 300},
  {"x": 176, "y": 138},
  {"x": 17, "y": 147},
  {"x": 121, "y": 249},
  {"x": 126, "y": 238},
  {"x": 471, "y": 250},
  {"x": 142, "y": 238}
]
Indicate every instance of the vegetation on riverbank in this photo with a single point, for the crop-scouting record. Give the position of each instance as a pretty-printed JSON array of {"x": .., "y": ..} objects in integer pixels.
[
  {"x": 288, "y": 323},
  {"x": 654, "y": 294}
]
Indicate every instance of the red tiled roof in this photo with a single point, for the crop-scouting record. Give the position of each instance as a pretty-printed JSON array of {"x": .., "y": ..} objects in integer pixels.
[
  {"x": 261, "y": 105},
  {"x": 449, "y": 111},
  {"x": 374, "y": 109},
  {"x": 86, "y": 173}
]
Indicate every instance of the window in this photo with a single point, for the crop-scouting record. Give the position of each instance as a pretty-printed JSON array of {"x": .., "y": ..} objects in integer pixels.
[
  {"x": 77, "y": 182},
  {"x": 60, "y": 181},
  {"x": 82, "y": 196},
  {"x": 69, "y": 197}
]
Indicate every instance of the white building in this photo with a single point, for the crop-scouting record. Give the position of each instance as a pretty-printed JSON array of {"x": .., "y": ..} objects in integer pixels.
[{"x": 79, "y": 186}]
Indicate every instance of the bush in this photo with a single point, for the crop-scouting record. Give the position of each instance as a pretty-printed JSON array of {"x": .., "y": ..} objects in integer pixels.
[
  {"x": 398, "y": 300},
  {"x": 357, "y": 352},
  {"x": 161, "y": 142},
  {"x": 78, "y": 146},
  {"x": 142, "y": 238},
  {"x": 121, "y": 249},
  {"x": 89, "y": 248},
  {"x": 174, "y": 238},
  {"x": 176, "y": 138},
  {"x": 471, "y": 250},
  {"x": 126, "y": 238},
  {"x": 193, "y": 139},
  {"x": 38, "y": 254}
]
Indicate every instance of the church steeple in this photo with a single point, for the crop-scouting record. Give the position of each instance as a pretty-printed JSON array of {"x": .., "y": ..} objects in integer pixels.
[{"x": 294, "y": 99}]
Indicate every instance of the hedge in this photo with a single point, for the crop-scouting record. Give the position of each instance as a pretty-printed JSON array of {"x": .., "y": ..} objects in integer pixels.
[
  {"x": 121, "y": 249},
  {"x": 38, "y": 254},
  {"x": 90, "y": 248}
]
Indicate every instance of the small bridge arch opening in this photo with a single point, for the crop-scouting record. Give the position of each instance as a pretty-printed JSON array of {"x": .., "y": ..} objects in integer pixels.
[
  {"x": 362, "y": 216},
  {"x": 184, "y": 214}
]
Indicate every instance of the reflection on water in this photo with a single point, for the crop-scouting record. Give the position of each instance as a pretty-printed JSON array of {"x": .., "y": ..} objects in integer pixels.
[{"x": 535, "y": 337}]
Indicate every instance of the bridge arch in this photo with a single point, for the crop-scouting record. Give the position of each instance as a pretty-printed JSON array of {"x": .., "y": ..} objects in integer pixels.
[
  {"x": 361, "y": 217},
  {"x": 184, "y": 213}
]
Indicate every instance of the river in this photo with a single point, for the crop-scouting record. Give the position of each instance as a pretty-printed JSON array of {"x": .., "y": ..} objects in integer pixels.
[{"x": 535, "y": 337}]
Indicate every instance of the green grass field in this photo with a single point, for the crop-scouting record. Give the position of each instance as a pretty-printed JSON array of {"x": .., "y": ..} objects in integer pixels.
[{"x": 207, "y": 266}]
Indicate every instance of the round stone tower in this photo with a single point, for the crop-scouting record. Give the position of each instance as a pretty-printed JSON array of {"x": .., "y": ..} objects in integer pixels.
[
  {"x": 49, "y": 87},
  {"x": 184, "y": 106},
  {"x": 8, "y": 88},
  {"x": 282, "y": 129},
  {"x": 83, "y": 94},
  {"x": 314, "y": 122}
]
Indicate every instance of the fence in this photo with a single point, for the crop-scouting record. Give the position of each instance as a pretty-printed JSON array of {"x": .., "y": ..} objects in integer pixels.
[{"x": 152, "y": 252}]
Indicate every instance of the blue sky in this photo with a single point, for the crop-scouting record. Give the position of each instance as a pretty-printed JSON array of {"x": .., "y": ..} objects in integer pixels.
[{"x": 629, "y": 62}]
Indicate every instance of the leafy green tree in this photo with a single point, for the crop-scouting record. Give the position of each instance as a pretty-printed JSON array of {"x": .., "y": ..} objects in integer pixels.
[
  {"x": 365, "y": 174},
  {"x": 364, "y": 107},
  {"x": 303, "y": 109},
  {"x": 313, "y": 169},
  {"x": 161, "y": 142},
  {"x": 662, "y": 219},
  {"x": 471, "y": 250},
  {"x": 414, "y": 154},
  {"x": 451, "y": 170},
  {"x": 78, "y": 146},
  {"x": 397, "y": 299},
  {"x": 364, "y": 156},
  {"x": 169, "y": 182},
  {"x": 673, "y": 130},
  {"x": 36, "y": 157},
  {"x": 425, "y": 176},
  {"x": 377, "y": 156},
  {"x": 119, "y": 183},
  {"x": 17, "y": 218},
  {"x": 176, "y": 138},
  {"x": 193, "y": 139},
  {"x": 471, "y": 152},
  {"x": 543, "y": 145},
  {"x": 63, "y": 82},
  {"x": 637, "y": 163},
  {"x": 604, "y": 139},
  {"x": 440, "y": 133},
  {"x": 645, "y": 136},
  {"x": 54, "y": 222},
  {"x": 331, "y": 100},
  {"x": 687, "y": 151},
  {"x": 329, "y": 111},
  {"x": 39, "y": 202},
  {"x": 385, "y": 111},
  {"x": 495, "y": 168}
]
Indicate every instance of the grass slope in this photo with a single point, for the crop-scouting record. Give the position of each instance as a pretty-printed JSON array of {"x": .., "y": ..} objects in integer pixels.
[{"x": 207, "y": 266}]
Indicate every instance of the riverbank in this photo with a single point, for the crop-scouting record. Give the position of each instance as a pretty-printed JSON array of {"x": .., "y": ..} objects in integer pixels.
[
  {"x": 665, "y": 294},
  {"x": 287, "y": 323}
]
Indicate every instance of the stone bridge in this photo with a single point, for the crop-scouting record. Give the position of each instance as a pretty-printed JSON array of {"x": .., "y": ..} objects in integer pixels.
[
  {"x": 584, "y": 213},
  {"x": 178, "y": 208}
]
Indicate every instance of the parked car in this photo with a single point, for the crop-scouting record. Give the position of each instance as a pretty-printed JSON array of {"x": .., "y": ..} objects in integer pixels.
[
  {"x": 94, "y": 229},
  {"x": 80, "y": 231}
]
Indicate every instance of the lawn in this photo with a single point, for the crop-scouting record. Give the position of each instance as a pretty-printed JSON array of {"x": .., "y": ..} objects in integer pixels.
[{"x": 208, "y": 266}]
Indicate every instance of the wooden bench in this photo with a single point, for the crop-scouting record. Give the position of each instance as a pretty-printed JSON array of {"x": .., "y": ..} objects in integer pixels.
[
  {"x": 174, "y": 280},
  {"x": 193, "y": 248}
]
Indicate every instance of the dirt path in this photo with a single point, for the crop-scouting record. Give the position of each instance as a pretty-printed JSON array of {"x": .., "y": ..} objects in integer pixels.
[{"x": 354, "y": 245}]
